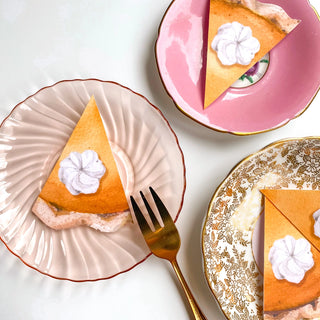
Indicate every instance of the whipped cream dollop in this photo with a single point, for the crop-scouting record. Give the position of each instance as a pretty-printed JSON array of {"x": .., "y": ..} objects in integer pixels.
[
  {"x": 291, "y": 258},
  {"x": 81, "y": 172},
  {"x": 234, "y": 43},
  {"x": 316, "y": 217}
]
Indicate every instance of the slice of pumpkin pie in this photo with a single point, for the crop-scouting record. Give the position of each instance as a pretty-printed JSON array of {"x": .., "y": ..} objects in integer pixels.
[
  {"x": 292, "y": 254},
  {"x": 84, "y": 187},
  {"x": 240, "y": 33}
]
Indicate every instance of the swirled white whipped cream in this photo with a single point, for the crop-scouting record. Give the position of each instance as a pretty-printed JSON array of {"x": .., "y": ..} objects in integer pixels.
[
  {"x": 316, "y": 217},
  {"x": 291, "y": 258},
  {"x": 234, "y": 43},
  {"x": 81, "y": 172}
]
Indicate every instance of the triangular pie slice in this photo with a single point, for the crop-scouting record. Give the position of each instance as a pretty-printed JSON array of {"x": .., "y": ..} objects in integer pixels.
[
  {"x": 269, "y": 24},
  {"x": 290, "y": 213},
  {"x": 298, "y": 207},
  {"x": 107, "y": 208}
]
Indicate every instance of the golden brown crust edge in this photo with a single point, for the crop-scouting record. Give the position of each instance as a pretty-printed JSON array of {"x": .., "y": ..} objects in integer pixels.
[
  {"x": 272, "y": 12},
  {"x": 308, "y": 311},
  {"x": 103, "y": 223}
]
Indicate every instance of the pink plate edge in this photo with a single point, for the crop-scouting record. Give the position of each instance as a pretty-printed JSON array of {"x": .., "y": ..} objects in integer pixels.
[
  {"x": 211, "y": 127},
  {"x": 178, "y": 145}
]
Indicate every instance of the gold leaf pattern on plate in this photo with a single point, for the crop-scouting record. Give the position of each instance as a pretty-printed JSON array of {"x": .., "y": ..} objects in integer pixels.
[{"x": 230, "y": 267}]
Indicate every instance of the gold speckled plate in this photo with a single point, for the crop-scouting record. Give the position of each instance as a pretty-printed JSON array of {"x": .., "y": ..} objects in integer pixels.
[{"x": 230, "y": 255}]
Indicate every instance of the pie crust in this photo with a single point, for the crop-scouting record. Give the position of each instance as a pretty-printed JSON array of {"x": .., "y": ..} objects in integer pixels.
[
  {"x": 269, "y": 24},
  {"x": 107, "y": 209}
]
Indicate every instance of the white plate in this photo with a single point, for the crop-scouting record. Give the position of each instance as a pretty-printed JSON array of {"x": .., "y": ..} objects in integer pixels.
[{"x": 31, "y": 139}]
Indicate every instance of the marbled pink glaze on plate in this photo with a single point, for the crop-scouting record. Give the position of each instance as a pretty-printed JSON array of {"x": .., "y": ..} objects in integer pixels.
[{"x": 286, "y": 90}]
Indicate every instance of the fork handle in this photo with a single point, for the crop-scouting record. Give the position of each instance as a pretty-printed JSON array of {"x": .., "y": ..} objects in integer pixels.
[{"x": 198, "y": 315}]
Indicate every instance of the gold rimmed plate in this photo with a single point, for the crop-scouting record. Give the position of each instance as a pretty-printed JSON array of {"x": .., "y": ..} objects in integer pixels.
[
  {"x": 285, "y": 91},
  {"x": 31, "y": 139},
  {"x": 232, "y": 236}
]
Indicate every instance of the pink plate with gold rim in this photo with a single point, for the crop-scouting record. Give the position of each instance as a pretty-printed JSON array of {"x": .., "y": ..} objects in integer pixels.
[
  {"x": 31, "y": 139},
  {"x": 285, "y": 91}
]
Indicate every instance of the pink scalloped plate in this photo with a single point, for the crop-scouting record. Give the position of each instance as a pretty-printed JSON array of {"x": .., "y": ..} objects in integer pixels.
[
  {"x": 31, "y": 139},
  {"x": 287, "y": 89}
]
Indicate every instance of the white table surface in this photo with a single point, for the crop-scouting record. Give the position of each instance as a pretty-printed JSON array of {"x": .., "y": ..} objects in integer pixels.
[{"x": 43, "y": 42}]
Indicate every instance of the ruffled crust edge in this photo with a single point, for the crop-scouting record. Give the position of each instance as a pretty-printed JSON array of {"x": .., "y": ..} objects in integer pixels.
[
  {"x": 308, "y": 311},
  {"x": 272, "y": 12},
  {"x": 102, "y": 222}
]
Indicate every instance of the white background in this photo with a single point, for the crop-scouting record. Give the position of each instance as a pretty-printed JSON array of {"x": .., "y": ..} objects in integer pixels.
[{"x": 43, "y": 42}]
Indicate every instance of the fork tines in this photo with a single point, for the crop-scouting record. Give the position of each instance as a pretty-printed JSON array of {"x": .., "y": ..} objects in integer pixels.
[{"x": 160, "y": 206}]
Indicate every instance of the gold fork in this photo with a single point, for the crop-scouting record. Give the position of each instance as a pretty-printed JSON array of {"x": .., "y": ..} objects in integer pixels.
[{"x": 164, "y": 241}]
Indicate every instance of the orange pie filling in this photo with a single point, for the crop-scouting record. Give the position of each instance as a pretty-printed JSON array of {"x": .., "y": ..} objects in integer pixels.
[
  {"x": 292, "y": 254},
  {"x": 240, "y": 33},
  {"x": 84, "y": 186}
]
